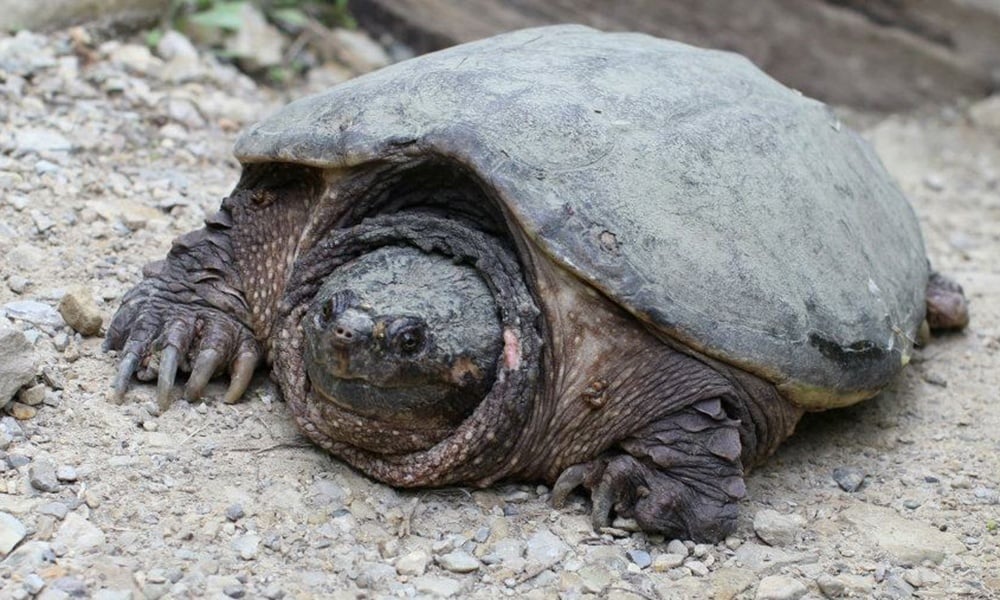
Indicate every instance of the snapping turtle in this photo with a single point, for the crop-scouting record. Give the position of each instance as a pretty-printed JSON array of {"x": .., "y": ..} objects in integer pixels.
[{"x": 559, "y": 255}]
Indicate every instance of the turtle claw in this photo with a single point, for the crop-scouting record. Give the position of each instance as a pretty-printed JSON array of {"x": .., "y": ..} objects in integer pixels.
[
  {"x": 160, "y": 337},
  {"x": 242, "y": 373},
  {"x": 125, "y": 370},
  {"x": 165, "y": 383}
]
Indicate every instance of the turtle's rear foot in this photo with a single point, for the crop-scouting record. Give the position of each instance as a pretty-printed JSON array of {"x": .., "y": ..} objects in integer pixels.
[{"x": 947, "y": 308}]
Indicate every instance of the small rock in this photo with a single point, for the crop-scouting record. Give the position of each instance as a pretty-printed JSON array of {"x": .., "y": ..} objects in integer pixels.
[
  {"x": 18, "y": 284},
  {"x": 135, "y": 58},
  {"x": 777, "y": 529},
  {"x": 66, "y": 473},
  {"x": 33, "y": 583},
  {"x": 36, "y": 313},
  {"x": 544, "y": 548},
  {"x": 80, "y": 311},
  {"x": 911, "y": 504},
  {"x": 896, "y": 588},
  {"x": 246, "y": 545},
  {"x": 458, "y": 561},
  {"x": 12, "y": 531},
  {"x": 934, "y": 181},
  {"x": 697, "y": 567},
  {"x": 74, "y": 586},
  {"x": 830, "y": 586},
  {"x": 22, "y": 412},
  {"x": 54, "y": 509},
  {"x": 595, "y": 578},
  {"x": 482, "y": 534},
  {"x": 641, "y": 558},
  {"x": 18, "y": 365},
  {"x": 78, "y": 533},
  {"x": 235, "y": 512},
  {"x": 440, "y": 587},
  {"x": 234, "y": 591},
  {"x": 780, "y": 587},
  {"x": 273, "y": 592},
  {"x": 42, "y": 475},
  {"x": 677, "y": 547},
  {"x": 849, "y": 479},
  {"x": 357, "y": 50},
  {"x": 665, "y": 562},
  {"x": 256, "y": 43},
  {"x": 32, "y": 396},
  {"x": 413, "y": 563},
  {"x": 40, "y": 139}
]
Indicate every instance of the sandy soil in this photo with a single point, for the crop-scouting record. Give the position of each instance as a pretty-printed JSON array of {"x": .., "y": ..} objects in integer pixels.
[{"x": 213, "y": 500}]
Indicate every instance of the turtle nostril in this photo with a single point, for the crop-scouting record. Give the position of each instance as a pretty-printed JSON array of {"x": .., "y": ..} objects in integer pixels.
[{"x": 343, "y": 332}]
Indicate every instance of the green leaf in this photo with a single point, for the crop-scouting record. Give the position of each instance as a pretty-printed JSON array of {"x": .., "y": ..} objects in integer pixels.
[
  {"x": 291, "y": 16},
  {"x": 153, "y": 37},
  {"x": 224, "y": 15}
]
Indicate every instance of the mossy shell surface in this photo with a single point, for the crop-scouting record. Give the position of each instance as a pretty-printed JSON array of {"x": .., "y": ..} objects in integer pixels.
[{"x": 728, "y": 212}]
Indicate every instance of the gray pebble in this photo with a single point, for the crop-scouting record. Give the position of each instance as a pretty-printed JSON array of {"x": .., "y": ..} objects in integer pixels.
[
  {"x": 33, "y": 583},
  {"x": 641, "y": 558},
  {"x": 12, "y": 531},
  {"x": 34, "y": 312},
  {"x": 545, "y": 548},
  {"x": 896, "y": 588},
  {"x": 235, "y": 512},
  {"x": 40, "y": 139},
  {"x": 234, "y": 591},
  {"x": 697, "y": 567},
  {"x": 677, "y": 547},
  {"x": 911, "y": 504},
  {"x": 848, "y": 478},
  {"x": 777, "y": 529},
  {"x": 17, "y": 460},
  {"x": 246, "y": 545},
  {"x": 33, "y": 395},
  {"x": 440, "y": 587},
  {"x": 66, "y": 473},
  {"x": 780, "y": 587},
  {"x": 830, "y": 586},
  {"x": 17, "y": 284},
  {"x": 665, "y": 562},
  {"x": 18, "y": 365},
  {"x": 482, "y": 534},
  {"x": 51, "y": 376},
  {"x": 42, "y": 476},
  {"x": 413, "y": 563},
  {"x": 458, "y": 561},
  {"x": 54, "y": 509},
  {"x": 273, "y": 592},
  {"x": 74, "y": 586}
]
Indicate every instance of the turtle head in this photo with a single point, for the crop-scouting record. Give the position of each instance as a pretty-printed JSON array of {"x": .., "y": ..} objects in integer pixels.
[{"x": 405, "y": 337}]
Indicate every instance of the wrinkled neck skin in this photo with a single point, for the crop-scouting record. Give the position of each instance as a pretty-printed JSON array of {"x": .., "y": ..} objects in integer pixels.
[{"x": 422, "y": 452}]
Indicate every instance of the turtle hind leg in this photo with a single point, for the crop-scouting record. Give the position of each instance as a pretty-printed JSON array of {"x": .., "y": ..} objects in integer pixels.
[
  {"x": 947, "y": 308},
  {"x": 681, "y": 476}
]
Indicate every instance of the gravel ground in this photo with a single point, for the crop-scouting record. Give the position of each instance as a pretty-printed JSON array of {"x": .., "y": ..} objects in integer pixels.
[{"x": 107, "y": 152}]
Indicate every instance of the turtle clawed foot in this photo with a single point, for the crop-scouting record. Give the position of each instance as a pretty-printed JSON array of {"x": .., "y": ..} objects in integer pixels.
[
  {"x": 623, "y": 485},
  {"x": 947, "y": 308},
  {"x": 158, "y": 338}
]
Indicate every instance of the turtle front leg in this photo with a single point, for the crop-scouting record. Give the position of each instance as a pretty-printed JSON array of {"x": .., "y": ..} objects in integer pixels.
[{"x": 209, "y": 306}]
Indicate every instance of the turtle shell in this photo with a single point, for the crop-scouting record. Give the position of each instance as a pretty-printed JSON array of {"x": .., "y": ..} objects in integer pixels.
[{"x": 728, "y": 212}]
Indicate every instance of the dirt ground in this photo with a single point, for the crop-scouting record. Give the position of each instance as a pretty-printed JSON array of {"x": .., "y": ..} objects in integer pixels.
[{"x": 104, "y": 159}]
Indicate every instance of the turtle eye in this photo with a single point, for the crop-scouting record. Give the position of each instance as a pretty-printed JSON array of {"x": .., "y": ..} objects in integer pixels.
[{"x": 408, "y": 336}]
